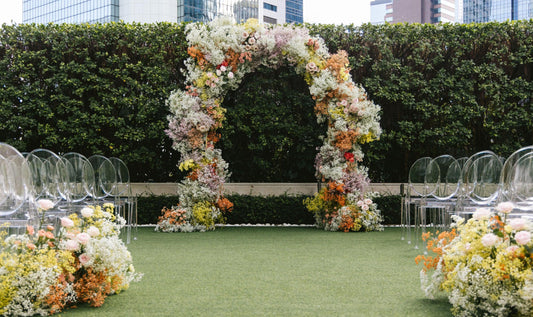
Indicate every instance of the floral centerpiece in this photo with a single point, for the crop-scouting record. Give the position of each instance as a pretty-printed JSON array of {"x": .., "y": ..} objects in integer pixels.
[
  {"x": 484, "y": 265},
  {"x": 42, "y": 272},
  {"x": 221, "y": 54}
]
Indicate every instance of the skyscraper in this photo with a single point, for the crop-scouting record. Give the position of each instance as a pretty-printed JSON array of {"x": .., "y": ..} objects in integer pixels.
[
  {"x": 497, "y": 10},
  {"x": 415, "y": 11},
  {"x": 148, "y": 11}
]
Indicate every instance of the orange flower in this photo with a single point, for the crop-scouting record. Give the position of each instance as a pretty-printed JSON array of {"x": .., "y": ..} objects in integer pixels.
[
  {"x": 344, "y": 140},
  {"x": 224, "y": 204}
]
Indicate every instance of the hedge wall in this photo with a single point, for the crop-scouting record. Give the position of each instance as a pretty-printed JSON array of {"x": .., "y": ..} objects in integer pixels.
[
  {"x": 101, "y": 89},
  {"x": 263, "y": 209}
]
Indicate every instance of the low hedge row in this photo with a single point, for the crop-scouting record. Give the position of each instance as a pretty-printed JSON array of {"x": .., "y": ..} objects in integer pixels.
[{"x": 263, "y": 209}]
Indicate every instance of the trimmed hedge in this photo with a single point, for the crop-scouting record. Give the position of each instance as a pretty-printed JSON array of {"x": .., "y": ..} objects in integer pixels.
[
  {"x": 263, "y": 209},
  {"x": 101, "y": 89}
]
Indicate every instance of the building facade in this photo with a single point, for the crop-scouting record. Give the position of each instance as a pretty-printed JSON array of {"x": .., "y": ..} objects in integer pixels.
[
  {"x": 379, "y": 10},
  {"x": 497, "y": 10},
  {"x": 149, "y": 11},
  {"x": 415, "y": 11}
]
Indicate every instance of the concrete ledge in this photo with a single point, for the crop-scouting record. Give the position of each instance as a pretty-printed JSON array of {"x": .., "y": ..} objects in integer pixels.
[{"x": 256, "y": 189}]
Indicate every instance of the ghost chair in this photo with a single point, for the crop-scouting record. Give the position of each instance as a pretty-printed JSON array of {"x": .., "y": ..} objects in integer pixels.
[
  {"x": 521, "y": 186},
  {"x": 15, "y": 183},
  {"x": 480, "y": 183},
  {"x": 421, "y": 186},
  {"x": 125, "y": 202},
  {"x": 80, "y": 182},
  {"x": 442, "y": 201}
]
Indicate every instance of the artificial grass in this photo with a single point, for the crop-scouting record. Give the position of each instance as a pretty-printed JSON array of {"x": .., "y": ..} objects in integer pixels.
[{"x": 272, "y": 271}]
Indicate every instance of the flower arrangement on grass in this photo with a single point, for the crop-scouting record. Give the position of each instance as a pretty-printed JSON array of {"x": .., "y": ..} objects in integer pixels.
[
  {"x": 221, "y": 54},
  {"x": 44, "y": 273},
  {"x": 485, "y": 265}
]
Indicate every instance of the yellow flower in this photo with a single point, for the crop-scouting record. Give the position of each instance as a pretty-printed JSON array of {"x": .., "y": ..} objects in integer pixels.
[{"x": 187, "y": 165}]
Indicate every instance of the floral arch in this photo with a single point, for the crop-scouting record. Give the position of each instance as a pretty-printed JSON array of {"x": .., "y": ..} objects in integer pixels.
[{"x": 221, "y": 53}]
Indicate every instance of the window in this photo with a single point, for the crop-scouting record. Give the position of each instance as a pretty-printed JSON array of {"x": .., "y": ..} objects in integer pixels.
[
  {"x": 270, "y": 7},
  {"x": 269, "y": 20}
]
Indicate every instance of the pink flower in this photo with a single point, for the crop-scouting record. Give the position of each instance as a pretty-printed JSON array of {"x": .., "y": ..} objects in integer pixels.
[
  {"x": 30, "y": 246},
  {"x": 522, "y": 237},
  {"x": 50, "y": 228},
  {"x": 223, "y": 68},
  {"x": 353, "y": 108},
  {"x": 505, "y": 207},
  {"x": 84, "y": 259},
  {"x": 30, "y": 230},
  {"x": 93, "y": 231},
  {"x": 83, "y": 238},
  {"x": 368, "y": 201},
  {"x": 41, "y": 233},
  {"x": 45, "y": 204},
  {"x": 70, "y": 235},
  {"x": 489, "y": 240},
  {"x": 311, "y": 67},
  {"x": 360, "y": 203},
  {"x": 364, "y": 207},
  {"x": 72, "y": 245},
  {"x": 49, "y": 234},
  {"x": 87, "y": 212},
  {"x": 67, "y": 222},
  {"x": 518, "y": 224},
  {"x": 231, "y": 75},
  {"x": 481, "y": 213},
  {"x": 512, "y": 249}
]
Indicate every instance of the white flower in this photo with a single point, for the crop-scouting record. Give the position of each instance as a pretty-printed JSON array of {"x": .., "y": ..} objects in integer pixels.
[
  {"x": 231, "y": 75},
  {"x": 518, "y": 224},
  {"x": 93, "y": 231},
  {"x": 223, "y": 68},
  {"x": 45, "y": 204},
  {"x": 83, "y": 238},
  {"x": 481, "y": 213},
  {"x": 368, "y": 201},
  {"x": 505, "y": 207},
  {"x": 87, "y": 212},
  {"x": 72, "y": 245},
  {"x": 219, "y": 72},
  {"x": 66, "y": 222},
  {"x": 523, "y": 237},
  {"x": 84, "y": 259},
  {"x": 489, "y": 240},
  {"x": 364, "y": 207}
]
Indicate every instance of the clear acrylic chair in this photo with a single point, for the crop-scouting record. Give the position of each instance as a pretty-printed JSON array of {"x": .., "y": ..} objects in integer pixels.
[
  {"x": 480, "y": 183},
  {"x": 522, "y": 187},
  {"x": 81, "y": 180},
  {"x": 15, "y": 183},
  {"x": 442, "y": 201},
  {"x": 125, "y": 202},
  {"x": 421, "y": 185}
]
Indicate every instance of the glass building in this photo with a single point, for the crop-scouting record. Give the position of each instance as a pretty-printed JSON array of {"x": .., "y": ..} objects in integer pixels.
[
  {"x": 496, "y": 10},
  {"x": 148, "y": 11},
  {"x": 294, "y": 11},
  {"x": 70, "y": 11}
]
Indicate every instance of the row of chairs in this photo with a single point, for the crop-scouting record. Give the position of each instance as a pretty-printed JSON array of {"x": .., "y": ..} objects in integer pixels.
[
  {"x": 444, "y": 186},
  {"x": 70, "y": 181}
]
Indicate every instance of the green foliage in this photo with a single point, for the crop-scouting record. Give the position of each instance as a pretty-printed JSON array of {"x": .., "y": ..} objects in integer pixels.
[
  {"x": 93, "y": 89},
  {"x": 271, "y": 134},
  {"x": 101, "y": 89},
  {"x": 263, "y": 209}
]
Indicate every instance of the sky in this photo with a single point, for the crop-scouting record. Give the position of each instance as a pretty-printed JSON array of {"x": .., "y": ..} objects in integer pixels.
[{"x": 315, "y": 11}]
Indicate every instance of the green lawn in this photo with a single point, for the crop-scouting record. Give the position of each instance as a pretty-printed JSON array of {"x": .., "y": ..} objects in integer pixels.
[{"x": 272, "y": 271}]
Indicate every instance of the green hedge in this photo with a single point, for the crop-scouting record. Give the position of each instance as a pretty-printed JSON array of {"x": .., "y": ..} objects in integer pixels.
[
  {"x": 284, "y": 209},
  {"x": 101, "y": 89}
]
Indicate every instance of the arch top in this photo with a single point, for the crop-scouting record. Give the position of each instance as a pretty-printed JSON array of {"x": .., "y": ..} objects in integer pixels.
[{"x": 221, "y": 53}]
